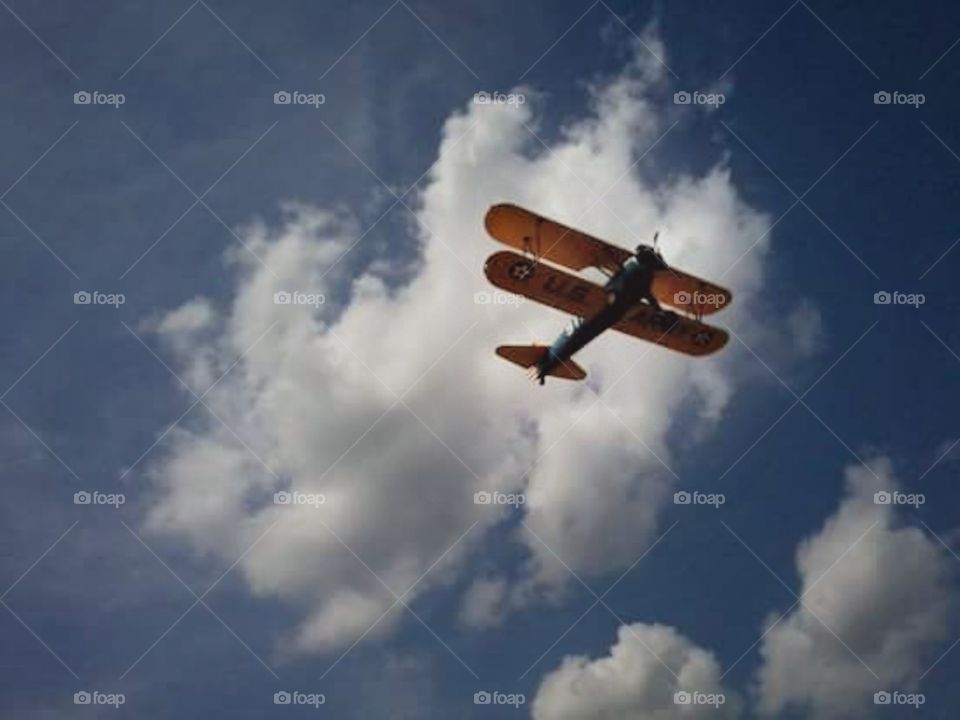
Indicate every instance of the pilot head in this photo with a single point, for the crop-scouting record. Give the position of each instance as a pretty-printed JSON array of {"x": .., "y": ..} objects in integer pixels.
[{"x": 647, "y": 255}]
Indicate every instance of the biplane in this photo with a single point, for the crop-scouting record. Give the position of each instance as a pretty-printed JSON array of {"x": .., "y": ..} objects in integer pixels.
[{"x": 640, "y": 283}]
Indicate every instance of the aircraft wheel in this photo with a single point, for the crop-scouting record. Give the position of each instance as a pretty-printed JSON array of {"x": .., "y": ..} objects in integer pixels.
[{"x": 611, "y": 298}]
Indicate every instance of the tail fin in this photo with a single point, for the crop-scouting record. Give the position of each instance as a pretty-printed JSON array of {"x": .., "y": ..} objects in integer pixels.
[{"x": 530, "y": 356}]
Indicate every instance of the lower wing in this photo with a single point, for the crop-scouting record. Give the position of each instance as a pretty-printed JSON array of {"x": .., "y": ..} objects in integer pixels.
[
  {"x": 544, "y": 284},
  {"x": 688, "y": 292},
  {"x": 672, "y": 331}
]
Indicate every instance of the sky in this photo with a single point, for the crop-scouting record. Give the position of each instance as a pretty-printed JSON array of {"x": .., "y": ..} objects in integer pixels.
[{"x": 221, "y": 504}]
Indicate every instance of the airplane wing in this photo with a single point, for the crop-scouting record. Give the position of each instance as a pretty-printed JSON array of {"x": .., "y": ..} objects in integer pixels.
[
  {"x": 688, "y": 293},
  {"x": 571, "y": 294},
  {"x": 672, "y": 331},
  {"x": 544, "y": 238},
  {"x": 544, "y": 284}
]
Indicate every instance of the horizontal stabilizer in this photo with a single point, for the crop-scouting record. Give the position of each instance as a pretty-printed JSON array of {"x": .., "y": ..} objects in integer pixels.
[{"x": 529, "y": 356}]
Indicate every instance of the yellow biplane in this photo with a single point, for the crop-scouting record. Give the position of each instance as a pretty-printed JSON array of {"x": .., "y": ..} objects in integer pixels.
[{"x": 630, "y": 301}]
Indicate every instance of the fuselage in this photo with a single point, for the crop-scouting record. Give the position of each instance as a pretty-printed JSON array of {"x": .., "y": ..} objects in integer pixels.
[{"x": 629, "y": 286}]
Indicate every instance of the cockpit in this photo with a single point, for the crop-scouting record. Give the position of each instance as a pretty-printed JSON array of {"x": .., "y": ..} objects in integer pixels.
[{"x": 648, "y": 253}]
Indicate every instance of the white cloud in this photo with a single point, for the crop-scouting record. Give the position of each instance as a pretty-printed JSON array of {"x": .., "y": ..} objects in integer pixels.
[
  {"x": 887, "y": 600},
  {"x": 399, "y": 477},
  {"x": 638, "y": 680},
  {"x": 484, "y": 602},
  {"x": 191, "y": 317},
  {"x": 805, "y": 324}
]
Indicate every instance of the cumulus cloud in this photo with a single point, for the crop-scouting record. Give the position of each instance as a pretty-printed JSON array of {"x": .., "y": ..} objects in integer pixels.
[
  {"x": 388, "y": 400},
  {"x": 651, "y": 673},
  {"x": 805, "y": 324},
  {"x": 190, "y": 317},
  {"x": 484, "y": 602},
  {"x": 876, "y": 599}
]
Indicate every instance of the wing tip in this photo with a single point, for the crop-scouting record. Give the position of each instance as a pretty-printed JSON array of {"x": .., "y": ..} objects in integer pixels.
[{"x": 493, "y": 213}]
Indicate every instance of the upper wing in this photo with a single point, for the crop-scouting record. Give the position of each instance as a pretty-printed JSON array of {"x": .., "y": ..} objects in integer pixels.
[
  {"x": 672, "y": 331},
  {"x": 544, "y": 284},
  {"x": 689, "y": 293},
  {"x": 545, "y": 238}
]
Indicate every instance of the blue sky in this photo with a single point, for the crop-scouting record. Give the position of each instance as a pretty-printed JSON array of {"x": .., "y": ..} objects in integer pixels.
[{"x": 97, "y": 198}]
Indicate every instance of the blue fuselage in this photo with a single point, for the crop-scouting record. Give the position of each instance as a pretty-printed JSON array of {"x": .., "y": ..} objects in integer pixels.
[{"x": 629, "y": 286}]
